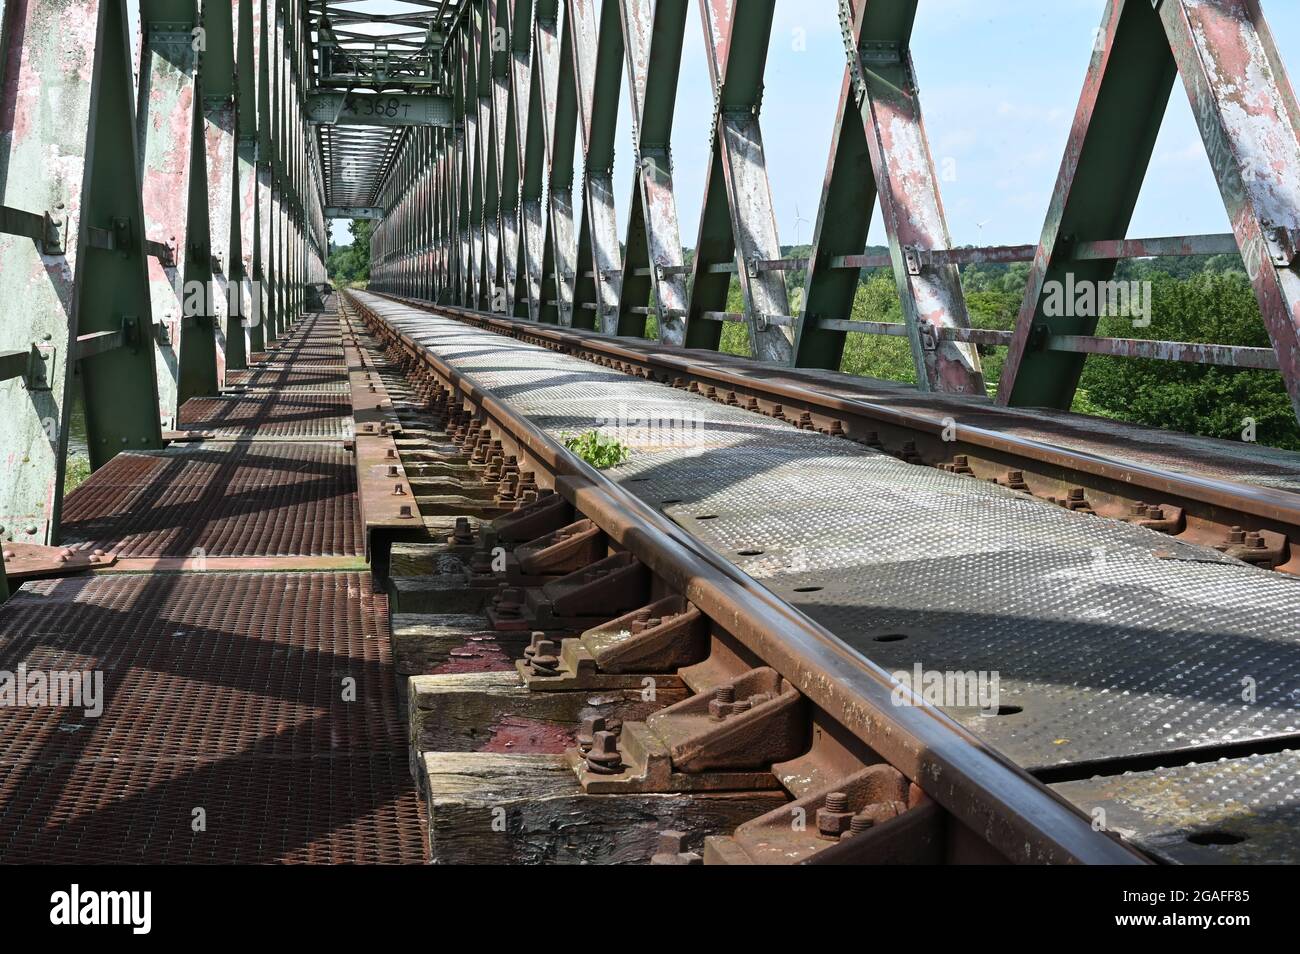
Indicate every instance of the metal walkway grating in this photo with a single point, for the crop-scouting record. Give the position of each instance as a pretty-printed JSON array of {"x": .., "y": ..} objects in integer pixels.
[
  {"x": 227, "y": 499},
  {"x": 284, "y": 379},
  {"x": 272, "y": 416},
  {"x": 223, "y": 692}
]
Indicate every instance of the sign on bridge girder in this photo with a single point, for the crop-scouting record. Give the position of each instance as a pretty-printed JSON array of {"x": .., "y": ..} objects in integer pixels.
[{"x": 379, "y": 109}]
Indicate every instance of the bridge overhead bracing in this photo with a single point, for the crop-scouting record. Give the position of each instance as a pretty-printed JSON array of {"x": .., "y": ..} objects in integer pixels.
[{"x": 484, "y": 213}]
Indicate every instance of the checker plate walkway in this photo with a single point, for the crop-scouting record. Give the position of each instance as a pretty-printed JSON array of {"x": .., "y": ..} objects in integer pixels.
[
  {"x": 247, "y": 717},
  {"x": 1115, "y": 645}
]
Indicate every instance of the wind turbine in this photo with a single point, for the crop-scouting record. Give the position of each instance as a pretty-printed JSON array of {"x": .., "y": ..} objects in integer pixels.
[{"x": 798, "y": 218}]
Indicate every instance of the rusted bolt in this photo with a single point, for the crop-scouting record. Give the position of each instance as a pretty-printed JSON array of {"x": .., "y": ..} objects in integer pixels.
[
  {"x": 398, "y": 490},
  {"x": 672, "y": 850},
  {"x": 604, "y": 757},
  {"x": 405, "y": 511},
  {"x": 587, "y": 734},
  {"x": 545, "y": 661},
  {"x": 834, "y": 817},
  {"x": 721, "y": 703},
  {"x": 392, "y": 470},
  {"x": 858, "y": 824},
  {"x": 533, "y": 639}
]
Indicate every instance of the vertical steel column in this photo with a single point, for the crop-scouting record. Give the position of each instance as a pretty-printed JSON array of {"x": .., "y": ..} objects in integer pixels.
[
  {"x": 474, "y": 154},
  {"x": 652, "y": 36},
  {"x": 528, "y": 291},
  {"x": 174, "y": 194},
  {"x": 736, "y": 36},
  {"x": 1124, "y": 98},
  {"x": 553, "y": 54},
  {"x": 250, "y": 299},
  {"x": 218, "y": 86},
  {"x": 264, "y": 259},
  {"x": 487, "y": 150},
  {"x": 506, "y": 67},
  {"x": 597, "y": 67},
  {"x": 46, "y": 46}
]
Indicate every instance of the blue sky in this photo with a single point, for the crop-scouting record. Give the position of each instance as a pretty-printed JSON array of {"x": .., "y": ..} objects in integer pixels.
[{"x": 999, "y": 83}]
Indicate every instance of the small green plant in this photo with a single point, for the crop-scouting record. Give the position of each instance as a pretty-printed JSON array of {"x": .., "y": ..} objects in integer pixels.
[{"x": 597, "y": 450}]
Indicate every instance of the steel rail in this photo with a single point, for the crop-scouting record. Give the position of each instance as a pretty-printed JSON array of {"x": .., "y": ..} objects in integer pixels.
[
  {"x": 1213, "y": 500},
  {"x": 1216, "y": 500},
  {"x": 1006, "y": 806}
]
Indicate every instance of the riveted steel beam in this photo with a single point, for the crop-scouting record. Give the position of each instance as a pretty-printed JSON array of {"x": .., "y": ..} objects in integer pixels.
[
  {"x": 248, "y": 55},
  {"x": 532, "y": 165},
  {"x": 553, "y": 53},
  {"x": 652, "y": 35},
  {"x": 219, "y": 141},
  {"x": 912, "y": 211},
  {"x": 736, "y": 35},
  {"x": 173, "y": 177},
  {"x": 1246, "y": 111},
  {"x": 112, "y": 287},
  {"x": 597, "y": 67},
  {"x": 1124, "y": 97},
  {"x": 46, "y": 46}
]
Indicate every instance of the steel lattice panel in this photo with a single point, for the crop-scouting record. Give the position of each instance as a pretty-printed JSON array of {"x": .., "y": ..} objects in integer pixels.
[
  {"x": 225, "y": 499},
  {"x": 302, "y": 416},
  {"x": 221, "y": 691}
]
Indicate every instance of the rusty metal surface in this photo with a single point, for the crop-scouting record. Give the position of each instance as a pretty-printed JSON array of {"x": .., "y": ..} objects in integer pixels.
[
  {"x": 239, "y": 499},
  {"x": 272, "y": 416},
  {"x": 1015, "y": 814},
  {"x": 1108, "y": 649},
  {"x": 287, "y": 379},
  {"x": 221, "y": 692},
  {"x": 1227, "y": 811},
  {"x": 1065, "y": 438}
]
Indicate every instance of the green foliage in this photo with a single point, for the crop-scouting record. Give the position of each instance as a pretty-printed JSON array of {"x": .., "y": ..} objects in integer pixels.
[
  {"x": 76, "y": 472},
  {"x": 1194, "y": 299},
  {"x": 350, "y": 264},
  {"x": 597, "y": 450},
  {"x": 1201, "y": 399}
]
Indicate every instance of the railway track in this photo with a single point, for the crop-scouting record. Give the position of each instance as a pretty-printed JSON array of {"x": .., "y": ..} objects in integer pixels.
[{"x": 697, "y": 654}]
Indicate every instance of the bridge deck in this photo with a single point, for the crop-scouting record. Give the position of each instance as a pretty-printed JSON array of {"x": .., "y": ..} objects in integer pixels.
[
  {"x": 1118, "y": 648},
  {"x": 267, "y": 700}
]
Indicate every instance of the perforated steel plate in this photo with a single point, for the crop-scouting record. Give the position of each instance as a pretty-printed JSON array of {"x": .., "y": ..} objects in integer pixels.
[
  {"x": 270, "y": 416},
  {"x": 286, "y": 379},
  {"x": 228, "y": 693},
  {"x": 1106, "y": 650},
  {"x": 223, "y": 499},
  {"x": 1230, "y": 811}
]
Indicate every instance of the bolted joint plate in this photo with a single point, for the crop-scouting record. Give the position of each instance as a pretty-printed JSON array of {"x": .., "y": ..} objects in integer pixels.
[{"x": 715, "y": 742}]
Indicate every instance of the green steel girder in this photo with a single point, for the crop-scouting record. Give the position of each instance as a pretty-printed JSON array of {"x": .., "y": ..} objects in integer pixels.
[
  {"x": 1124, "y": 99},
  {"x": 597, "y": 66},
  {"x": 559, "y": 112},
  {"x": 112, "y": 287},
  {"x": 653, "y": 31},
  {"x": 736, "y": 34},
  {"x": 46, "y": 46}
]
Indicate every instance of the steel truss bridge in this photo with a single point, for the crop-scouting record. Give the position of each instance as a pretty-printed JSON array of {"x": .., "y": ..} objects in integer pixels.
[{"x": 294, "y": 485}]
